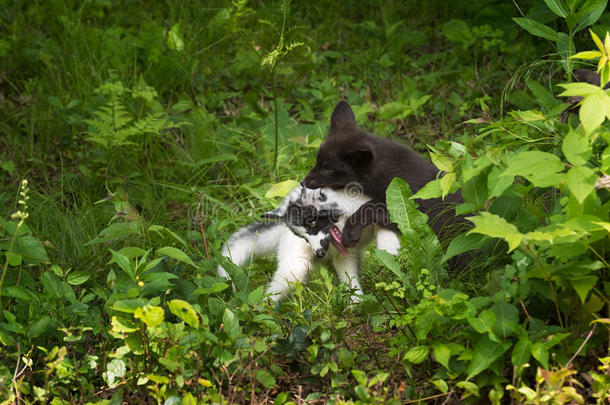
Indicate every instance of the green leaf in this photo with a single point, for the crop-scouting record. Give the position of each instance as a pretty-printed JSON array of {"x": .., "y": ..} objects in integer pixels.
[
  {"x": 124, "y": 263},
  {"x": 176, "y": 254},
  {"x": 462, "y": 243},
  {"x": 540, "y": 353},
  {"x": 184, "y": 311},
  {"x": 231, "y": 324},
  {"x": 556, "y": 7},
  {"x": 432, "y": 189},
  {"x": 37, "y": 327},
  {"x": 594, "y": 110},
  {"x": 484, "y": 322},
  {"x": 536, "y": 28},
  {"x": 151, "y": 315},
  {"x": 281, "y": 189},
  {"x": 442, "y": 354},
  {"x": 582, "y": 285},
  {"x": 521, "y": 352},
  {"x": 469, "y": 386},
  {"x": 589, "y": 13},
  {"x": 78, "y": 277},
  {"x": 581, "y": 182},
  {"x": 576, "y": 148},
  {"x": 174, "y": 39},
  {"x": 496, "y": 227},
  {"x": 394, "y": 110},
  {"x": 578, "y": 89},
  {"x": 540, "y": 168},
  {"x": 389, "y": 261},
  {"x": 484, "y": 353},
  {"x": 265, "y": 378},
  {"x": 448, "y": 184},
  {"x": 417, "y": 354},
  {"x": 507, "y": 319},
  {"x": 14, "y": 259}
]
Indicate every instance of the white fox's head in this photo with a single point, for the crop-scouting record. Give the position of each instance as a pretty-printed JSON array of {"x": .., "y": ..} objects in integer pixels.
[{"x": 317, "y": 215}]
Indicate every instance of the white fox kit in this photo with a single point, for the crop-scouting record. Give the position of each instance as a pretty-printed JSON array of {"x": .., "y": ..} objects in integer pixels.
[{"x": 308, "y": 225}]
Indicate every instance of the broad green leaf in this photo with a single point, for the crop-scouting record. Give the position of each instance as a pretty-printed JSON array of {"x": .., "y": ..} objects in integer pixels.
[
  {"x": 176, "y": 254},
  {"x": 14, "y": 259},
  {"x": 442, "y": 354},
  {"x": 174, "y": 39},
  {"x": 578, "y": 89},
  {"x": 540, "y": 168},
  {"x": 507, "y": 319},
  {"x": 471, "y": 387},
  {"x": 442, "y": 162},
  {"x": 231, "y": 324},
  {"x": 432, "y": 189},
  {"x": 121, "y": 327},
  {"x": 521, "y": 352},
  {"x": 497, "y": 183},
  {"x": 281, "y": 189},
  {"x": 589, "y": 13},
  {"x": 583, "y": 285},
  {"x": 587, "y": 55},
  {"x": 394, "y": 110},
  {"x": 556, "y": 7},
  {"x": 536, "y": 28},
  {"x": 78, "y": 277},
  {"x": 529, "y": 116},
  {"x": 160, "y": 230},
  {"x": 184, "y": 311},
  {"x": 541, "y": 354},
  {"x": 485, "y": 352},
  {"x": 389, "y": 261},
  {"x": 150, "y": 315},
  {"x": 581, "y": 182},
  {"x": 496, "y": 227},
  {"x": 399, "y": 205},
  {"x": 462, "y": 243},
  {"x": 447, "y": 184},
  {"x": 484, "y": 322},
  {"x": 576, "y": 148},
  {"x": 124, "y": 263},
  {"x": 417, "y": 354},
  {"x": 263, "y": 377},
  {"x": 594, "y": 110},
  {"x": 37, "y": 327}
]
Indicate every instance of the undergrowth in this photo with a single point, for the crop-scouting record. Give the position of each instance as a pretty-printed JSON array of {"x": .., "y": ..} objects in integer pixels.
[{"x": 137, "y": 137}]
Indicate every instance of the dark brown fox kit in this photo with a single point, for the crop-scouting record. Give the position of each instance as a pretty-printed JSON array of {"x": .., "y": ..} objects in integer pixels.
[{"x": 351, "y": 156}]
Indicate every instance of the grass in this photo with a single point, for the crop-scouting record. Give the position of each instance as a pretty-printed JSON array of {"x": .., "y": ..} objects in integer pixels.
[{"x": 213, "y": 159}]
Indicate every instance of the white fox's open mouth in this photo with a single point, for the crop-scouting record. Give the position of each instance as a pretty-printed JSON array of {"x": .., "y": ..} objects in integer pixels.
[{"x": 335, "y": 238}]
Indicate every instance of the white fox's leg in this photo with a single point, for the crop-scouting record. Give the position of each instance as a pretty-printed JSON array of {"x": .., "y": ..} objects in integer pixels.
[
  {"x": 387, "y": 240},
  {"x": 294, "y": 261},
  {"x": 347, "y": 268},
  {"x": 249, "y": 241}
]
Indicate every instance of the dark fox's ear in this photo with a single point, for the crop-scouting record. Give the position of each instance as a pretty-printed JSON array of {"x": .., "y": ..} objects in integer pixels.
[
  {"x": 342, "y": 116},
  {"x": 359, "y": 158}
]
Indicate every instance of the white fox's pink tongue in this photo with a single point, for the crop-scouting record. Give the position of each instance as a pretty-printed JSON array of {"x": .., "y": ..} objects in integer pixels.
[{"x": 335, "y": 238}]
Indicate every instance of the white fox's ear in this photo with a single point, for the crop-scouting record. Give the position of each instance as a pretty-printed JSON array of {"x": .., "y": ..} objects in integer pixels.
[{"x": 277, "y": 213}]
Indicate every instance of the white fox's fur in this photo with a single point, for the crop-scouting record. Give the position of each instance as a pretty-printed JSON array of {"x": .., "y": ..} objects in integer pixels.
[{"x": 297, "y": 245}]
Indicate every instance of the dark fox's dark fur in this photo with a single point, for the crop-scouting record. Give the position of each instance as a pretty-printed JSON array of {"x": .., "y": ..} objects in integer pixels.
[{"x": 350, "y": 155}]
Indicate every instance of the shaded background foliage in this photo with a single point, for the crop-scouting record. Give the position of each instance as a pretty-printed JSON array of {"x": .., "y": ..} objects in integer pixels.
[{"x": 152, "y": 126}]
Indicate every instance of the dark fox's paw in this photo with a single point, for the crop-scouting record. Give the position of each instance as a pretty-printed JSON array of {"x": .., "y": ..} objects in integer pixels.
[{"x": 351, "y": 234}]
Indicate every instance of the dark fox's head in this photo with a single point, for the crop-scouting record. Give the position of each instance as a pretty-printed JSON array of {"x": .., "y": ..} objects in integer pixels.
[{"x": 345, "y": 154}]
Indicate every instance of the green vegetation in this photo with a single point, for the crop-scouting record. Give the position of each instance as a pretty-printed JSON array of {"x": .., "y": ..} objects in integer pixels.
[{"x": 136, "y": 136}]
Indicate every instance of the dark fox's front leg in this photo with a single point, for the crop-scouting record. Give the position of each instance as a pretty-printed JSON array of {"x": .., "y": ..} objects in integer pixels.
[{"x": 368, "y": 214}]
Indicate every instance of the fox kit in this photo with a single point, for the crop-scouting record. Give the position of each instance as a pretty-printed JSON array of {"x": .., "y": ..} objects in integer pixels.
[
  {"x": 307, "y": 226},
  {"x": 350, "y": 155}
]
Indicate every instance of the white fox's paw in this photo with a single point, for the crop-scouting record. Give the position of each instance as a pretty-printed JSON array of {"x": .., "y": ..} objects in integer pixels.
[{"x": 388, "y": 241}]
